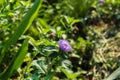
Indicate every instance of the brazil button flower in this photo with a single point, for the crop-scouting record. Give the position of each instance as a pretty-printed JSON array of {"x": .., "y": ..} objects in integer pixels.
[{"x": 64, "y": 45}]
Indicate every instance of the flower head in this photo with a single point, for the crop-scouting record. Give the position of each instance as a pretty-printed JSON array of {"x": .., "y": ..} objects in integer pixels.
[
  {"x": 101, "y": 1},
  {"x": 64, "y": 45}
]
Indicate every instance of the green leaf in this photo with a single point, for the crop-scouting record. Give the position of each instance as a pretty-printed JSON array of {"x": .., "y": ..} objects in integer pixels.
[
  {"x": 22, "y": 28},
  {"x": 16, "y": 61},
  {"x": 39, "y": 66},
  {"x": 48, "y": 76},
  {"x": 66, "y": 72},
  {"x": 114, "y": 75},
  {"x": 35, "y": 43},
  {"x": 43, "y": 25},
  {"x": 69, "y": 74}
]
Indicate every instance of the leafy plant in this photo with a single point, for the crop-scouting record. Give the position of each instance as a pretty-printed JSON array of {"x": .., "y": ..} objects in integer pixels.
[
  {"x": 35, "y": 34},
  {"x": 20, "y": 30}
]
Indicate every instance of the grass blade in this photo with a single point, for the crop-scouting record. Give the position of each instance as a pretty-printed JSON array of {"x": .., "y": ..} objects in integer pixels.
[
  {"x": 114, "y": 75},
  {"x": 22, "y": 28},
  {"x": 16, "y": 62}
]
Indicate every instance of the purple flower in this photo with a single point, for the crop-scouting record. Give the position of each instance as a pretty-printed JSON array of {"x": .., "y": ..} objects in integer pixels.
[
  {"x": 65, "y": 46},
  {"x": 101, "y": 1}
]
